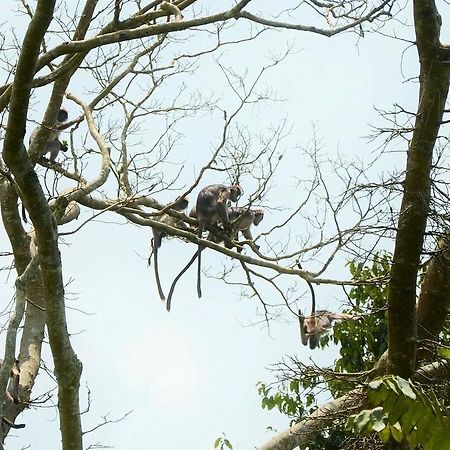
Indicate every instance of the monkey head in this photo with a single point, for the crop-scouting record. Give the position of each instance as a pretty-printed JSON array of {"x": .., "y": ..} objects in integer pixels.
[
  {"x": 180, "y": 203},
  {"x": 259, "y": 216},
  {"x": 62, "y": 115},
  {"x": 235, "y": 192}
]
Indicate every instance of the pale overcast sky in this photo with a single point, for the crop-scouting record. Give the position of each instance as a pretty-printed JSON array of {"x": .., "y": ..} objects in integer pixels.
[{"x": 190, "y": 375}]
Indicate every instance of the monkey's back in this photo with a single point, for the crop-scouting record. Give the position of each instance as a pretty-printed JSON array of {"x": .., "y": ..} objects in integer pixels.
[{"x": 206, "y": 206}]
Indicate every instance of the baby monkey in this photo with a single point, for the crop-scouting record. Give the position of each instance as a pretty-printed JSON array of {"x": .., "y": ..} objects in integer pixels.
[{"x": 241, "y": 220}]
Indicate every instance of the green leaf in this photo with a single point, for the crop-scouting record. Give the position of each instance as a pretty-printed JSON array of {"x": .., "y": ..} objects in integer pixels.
[
  {"x": 406, "y": 388},
  {"x": 412, "y": 438},
  {"x": 415, "y": 412},
  {"x": 385, "y": 435},
  {"x": 396, "y": 431},
  {"x": 445, "y": 353},
  {"x": 423, "y": 430}
]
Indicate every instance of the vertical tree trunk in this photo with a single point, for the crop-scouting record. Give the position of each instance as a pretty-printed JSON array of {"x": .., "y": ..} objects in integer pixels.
[{"x": 434, "y": 83}]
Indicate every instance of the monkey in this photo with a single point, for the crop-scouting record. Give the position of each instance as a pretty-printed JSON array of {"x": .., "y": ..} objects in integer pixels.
[
  {"x": 318, "y": 323},
  {"x": 241, "y": 220},
  {"x": 180, "y": 204},
  {"x": 312, "y": 327},
  {"x": 53, "y": 145},
  {"x": 212, "y": 206}
]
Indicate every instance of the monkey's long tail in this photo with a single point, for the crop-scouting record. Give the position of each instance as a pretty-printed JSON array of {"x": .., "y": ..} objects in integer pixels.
[
  {"x": 158, "y": 281},
  {"x": 313, "y": 295},
  {"x": 175, "y": 281},
  {"x": 199, "y": 272}
]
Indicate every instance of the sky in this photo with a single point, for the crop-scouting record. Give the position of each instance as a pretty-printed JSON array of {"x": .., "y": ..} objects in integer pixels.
[{"x": 190, "y": 375}]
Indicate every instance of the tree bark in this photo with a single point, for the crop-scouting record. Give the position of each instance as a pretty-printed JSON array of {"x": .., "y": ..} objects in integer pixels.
[
  {"x": 67, "y": 365},
  {"x": 434, "y": 299},
  {"x": 434, "y": 82}
]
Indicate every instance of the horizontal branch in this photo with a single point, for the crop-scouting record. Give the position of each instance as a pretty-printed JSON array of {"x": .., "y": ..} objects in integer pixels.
[{"x": 135, "y": 216}]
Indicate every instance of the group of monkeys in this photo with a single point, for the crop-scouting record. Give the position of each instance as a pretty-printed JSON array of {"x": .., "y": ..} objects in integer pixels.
[
  {"x": 224, "y": 222},
  {"x": 214, "y": 213}
]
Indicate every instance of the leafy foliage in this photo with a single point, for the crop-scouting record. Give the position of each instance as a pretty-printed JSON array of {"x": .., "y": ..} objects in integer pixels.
[
  {"x": 222, "y": 443},
  {"x": 288, "y": 400},
  {"x": 362, "y": 343},
  {"x": 403, "y": 411}
]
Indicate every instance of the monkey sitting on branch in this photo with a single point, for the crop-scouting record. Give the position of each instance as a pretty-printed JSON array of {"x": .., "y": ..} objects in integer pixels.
[
  {"x": 241, "y": 220},
  {"x": 211, "y": 207},
  {"x": 180, "y": 204},
  {"x": 53, "y": 146}
]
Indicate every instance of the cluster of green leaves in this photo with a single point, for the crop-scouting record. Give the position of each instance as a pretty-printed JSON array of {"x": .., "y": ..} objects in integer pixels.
[
  {"x": 289, "y": 400},
  {"x": 222, "y": 443},
  {"x": 363, "y": 342},
  {"x": 403, "y": 411},
  {"x": 286, "y": 398}
]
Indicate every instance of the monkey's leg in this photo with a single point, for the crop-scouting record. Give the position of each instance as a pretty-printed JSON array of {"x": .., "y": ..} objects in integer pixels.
[
  {"x": 158, "y": 281},
  {"x": 53, "y": 148},
  {"x": 314, "y": 340},
  {"x": 175, "y": 281}
]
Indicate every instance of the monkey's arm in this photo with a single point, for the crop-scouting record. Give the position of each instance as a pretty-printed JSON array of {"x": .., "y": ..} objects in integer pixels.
[
  {"x": 301, "y": 320},
  {"x": 222, "y": 208}
]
